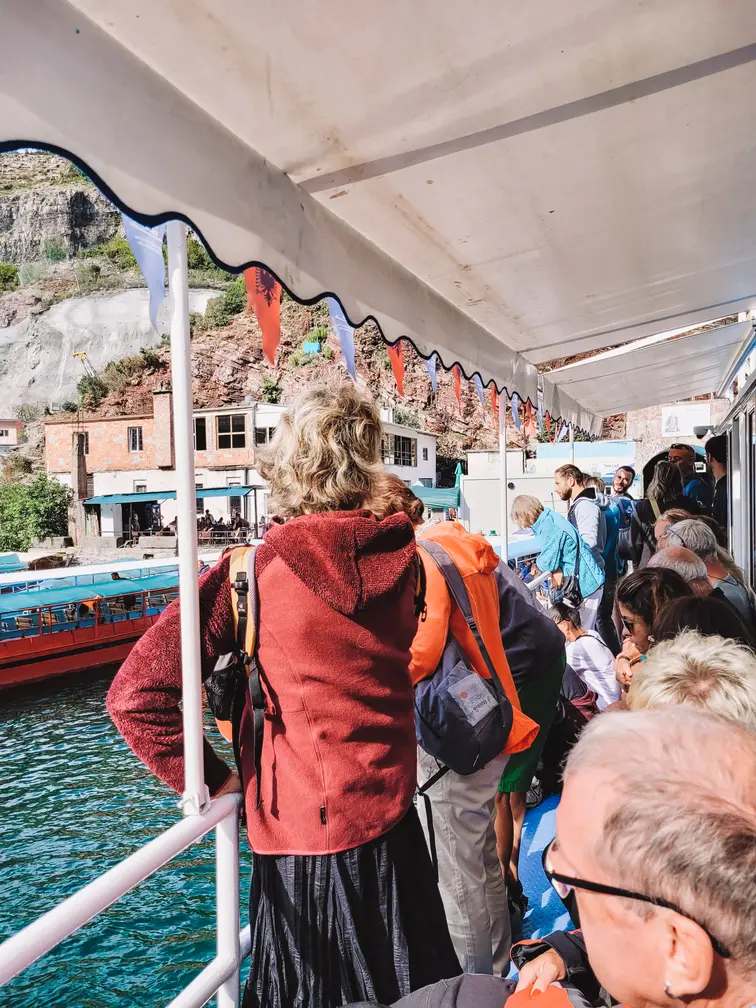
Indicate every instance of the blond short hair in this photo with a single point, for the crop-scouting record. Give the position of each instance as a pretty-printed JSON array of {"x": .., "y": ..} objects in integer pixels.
[
  {"x": 325, "y": 453},
  {"x": 526, "y": 510},
  {"x": 710, "y": 672},
  {"x": 681, "y": 825}
]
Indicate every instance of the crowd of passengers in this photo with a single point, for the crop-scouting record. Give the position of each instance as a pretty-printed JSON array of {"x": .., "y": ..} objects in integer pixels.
[{"x": 633, "y": 692}]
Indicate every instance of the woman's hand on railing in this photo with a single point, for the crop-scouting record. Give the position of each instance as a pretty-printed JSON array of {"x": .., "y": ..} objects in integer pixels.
[{"x": 232, "y": 785}]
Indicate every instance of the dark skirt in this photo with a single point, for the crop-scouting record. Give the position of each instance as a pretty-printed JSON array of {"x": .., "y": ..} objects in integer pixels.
[{"x": 366, "y": 924}]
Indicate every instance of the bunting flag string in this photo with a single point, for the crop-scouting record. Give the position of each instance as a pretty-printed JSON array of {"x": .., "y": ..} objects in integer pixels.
[
  {"x": 397, "y": 365},
  {"x": 516, "y": 410},
  {"x": 264, "y": 297},
  {"x": 345, "y": 334},
  {"x": 431, "y": 364},
  {"x": 458, "y": 385},
  {"x": 530, "y": 427},
  {"x": 147, "y": 245},
  {"x": 479, "y": 389}
]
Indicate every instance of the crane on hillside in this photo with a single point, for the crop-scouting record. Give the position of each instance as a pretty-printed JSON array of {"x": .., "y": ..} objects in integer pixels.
[{"x": 89, "y": 367}]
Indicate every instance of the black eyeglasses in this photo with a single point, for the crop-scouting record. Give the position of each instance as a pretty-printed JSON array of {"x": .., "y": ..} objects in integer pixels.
[{"x": 564, "y": 884}]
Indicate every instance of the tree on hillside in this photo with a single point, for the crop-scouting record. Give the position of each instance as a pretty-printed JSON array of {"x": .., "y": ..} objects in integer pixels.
[{"x": 32, "y": 511}]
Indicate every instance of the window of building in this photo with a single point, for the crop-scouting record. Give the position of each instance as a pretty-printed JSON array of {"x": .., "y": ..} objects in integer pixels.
[
  {"x": 399, "y": 450},
  {"x": 135, "y": 439},
  {"x": 264, "y": 434},
  {"x": 85, "y": 438},
  {"x": 231, "y": 430},
  {"x": 90, "y": 484},
  {"x": 426, "y": 481},
  {"x": 234, "y": 503},
  {"x": 200, "y": 501},
  {"x": 4, "y": 432},
  {"x": 200, "y": 434},
  {"x": 425, "y": 454},
  {"x": 140, "y": 488}
]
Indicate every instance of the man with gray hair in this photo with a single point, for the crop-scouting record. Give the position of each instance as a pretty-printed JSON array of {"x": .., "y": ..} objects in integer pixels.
[
  {"x": 656, "y": 842},
  {"x": 685, "y": 562},
  {"x": 699, "y": 538}
]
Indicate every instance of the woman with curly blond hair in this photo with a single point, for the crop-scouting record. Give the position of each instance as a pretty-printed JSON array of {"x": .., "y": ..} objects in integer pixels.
[{"x": 344, "y": 905}]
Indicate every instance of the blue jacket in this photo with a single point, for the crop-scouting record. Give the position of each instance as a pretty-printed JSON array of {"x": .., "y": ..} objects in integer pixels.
[
  {"x": 699, "y": 491},
  {"x": 559, "y": 548},
  {"x": 614, "y": 515}
]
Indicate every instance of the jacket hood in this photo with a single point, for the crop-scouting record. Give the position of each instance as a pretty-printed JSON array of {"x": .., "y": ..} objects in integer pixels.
[
  {"x": 471, "y": 553},
  {"x": 349, "y": 558}
]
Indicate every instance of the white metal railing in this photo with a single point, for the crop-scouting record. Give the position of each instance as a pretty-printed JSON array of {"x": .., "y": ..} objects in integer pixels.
[
  {"x": 53, "y": 927},
  {"x": 221, "y": 976}
]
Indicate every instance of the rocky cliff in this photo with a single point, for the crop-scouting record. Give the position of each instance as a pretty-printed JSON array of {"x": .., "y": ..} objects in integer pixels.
[{"x": 70, "y": 284}]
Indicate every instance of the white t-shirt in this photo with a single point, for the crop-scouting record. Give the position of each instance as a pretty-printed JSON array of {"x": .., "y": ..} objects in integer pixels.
[{"x": 592, "y": 660}]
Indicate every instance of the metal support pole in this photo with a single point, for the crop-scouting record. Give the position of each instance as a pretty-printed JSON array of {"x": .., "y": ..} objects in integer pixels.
[
  {"x": 227, "y": 906},
  {"x": 572, "y": 443},
  {"x": 503, "y": 480},
  {"x": 196, "y": 797}
]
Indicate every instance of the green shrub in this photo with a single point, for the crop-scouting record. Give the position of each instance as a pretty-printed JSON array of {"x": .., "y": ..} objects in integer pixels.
[
  {"x": 150, "y": 358},
  {"x": 69, "y": 406},
  {"x": 15, "y": 467},
  {"x": 92, "y": 390},
  {"x": 55, "y": 249},
  {"x": 271, "y": 390},
  {"x": 117, "y": 250},
  {"x": 231, "y": 302},
  {"x": 8, "y": 277},
  {"x": 326, "y": 352},
  {"x": 196, "y": 256},
  {"x": 28, "y": 412},
  {"x": 31, "y": 273},
  {"x": 32, "y": 511},
  {"x": 196, "y": 324}
]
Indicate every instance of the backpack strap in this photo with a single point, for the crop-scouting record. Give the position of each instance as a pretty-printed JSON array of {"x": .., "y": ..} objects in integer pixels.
[
  {"x": 245, "y": 607},
  {"x": 458, "y": 592},
  {"x": 654, "y": 507}
]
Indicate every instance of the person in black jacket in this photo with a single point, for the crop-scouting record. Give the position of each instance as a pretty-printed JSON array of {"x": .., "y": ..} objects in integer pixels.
[
  {"x": 665, "y": 493},
  {"x": 716, "y": 456}
]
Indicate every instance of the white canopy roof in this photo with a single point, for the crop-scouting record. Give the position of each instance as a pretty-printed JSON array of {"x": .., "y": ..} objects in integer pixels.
[
  {"x": 523, "y": 183},
  {"x": 651, "y": 372}
]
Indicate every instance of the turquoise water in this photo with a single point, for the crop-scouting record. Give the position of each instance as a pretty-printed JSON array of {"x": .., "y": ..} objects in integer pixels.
[{"x": 74, "y": 801}]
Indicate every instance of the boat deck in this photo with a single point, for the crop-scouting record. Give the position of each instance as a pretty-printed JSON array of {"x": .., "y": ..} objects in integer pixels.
[{"x": 546, "y": 912}]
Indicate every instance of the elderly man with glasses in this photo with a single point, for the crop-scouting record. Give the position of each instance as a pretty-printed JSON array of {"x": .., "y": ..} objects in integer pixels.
[{"x": 655, "y": 856}]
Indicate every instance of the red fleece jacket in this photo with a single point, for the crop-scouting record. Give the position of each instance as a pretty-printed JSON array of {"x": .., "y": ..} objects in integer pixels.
[{"x": 336, "y": 616}]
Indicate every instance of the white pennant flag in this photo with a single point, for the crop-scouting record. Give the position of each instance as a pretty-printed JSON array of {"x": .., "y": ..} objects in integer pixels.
[{"x": 147, "y": 246}]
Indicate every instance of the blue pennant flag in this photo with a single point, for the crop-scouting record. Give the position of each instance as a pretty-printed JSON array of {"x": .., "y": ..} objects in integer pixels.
[
  {"x": 539, "y": 412},
  {"x": 562, "y": 431},
  {"x": 345, "y": 333},
  {"x": 431, "y": 365},
  {"x": 147, "y": 246},
  {"x": 516, "y": 410},
  {"x": 479, "y": 388}
]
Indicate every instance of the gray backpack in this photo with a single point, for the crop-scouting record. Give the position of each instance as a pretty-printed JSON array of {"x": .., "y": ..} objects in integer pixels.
[{"x": 461, "y": 719}]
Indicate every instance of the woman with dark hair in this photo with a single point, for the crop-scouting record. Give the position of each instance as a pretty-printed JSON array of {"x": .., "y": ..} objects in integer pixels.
[
  {"x": 641, "y": 596},
  {"x": 711, "y": 617},
  {"x": 665, "y": 492}
]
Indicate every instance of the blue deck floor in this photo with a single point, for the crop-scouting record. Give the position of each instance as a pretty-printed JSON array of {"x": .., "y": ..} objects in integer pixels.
[{"x": 546, "y": 912}]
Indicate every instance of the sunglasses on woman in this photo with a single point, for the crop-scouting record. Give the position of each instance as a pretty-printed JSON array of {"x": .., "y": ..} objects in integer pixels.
[{"x": 564, "y": 885}]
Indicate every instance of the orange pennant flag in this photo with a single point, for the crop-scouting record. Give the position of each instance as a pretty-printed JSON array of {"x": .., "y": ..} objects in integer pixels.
[
  {"x": 530, "y": 427},
  {"x": 547, "y": 418},
  {"x": 494, "y": 401},
  {"x": 397, "y": 365},
  {"x": 458, "y": 385},
  {"x": 264, "y": 296}
]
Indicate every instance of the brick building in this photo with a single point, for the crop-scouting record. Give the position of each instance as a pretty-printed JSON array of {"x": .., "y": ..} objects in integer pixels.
[{"x": 107, "y": 459}]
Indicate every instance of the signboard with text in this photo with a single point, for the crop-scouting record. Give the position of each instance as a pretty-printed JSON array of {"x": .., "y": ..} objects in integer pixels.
[{"x": 678, "y": 420}]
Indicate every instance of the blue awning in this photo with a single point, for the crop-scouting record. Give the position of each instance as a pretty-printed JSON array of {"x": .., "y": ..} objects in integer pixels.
[
  {"x": 435, "y": 497},
  {"x": 10, "y": 562},
  {"x": 161, "y": 495},
  {"x": 232, "y": 491},
  {"x": 133, "y": 498}
]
